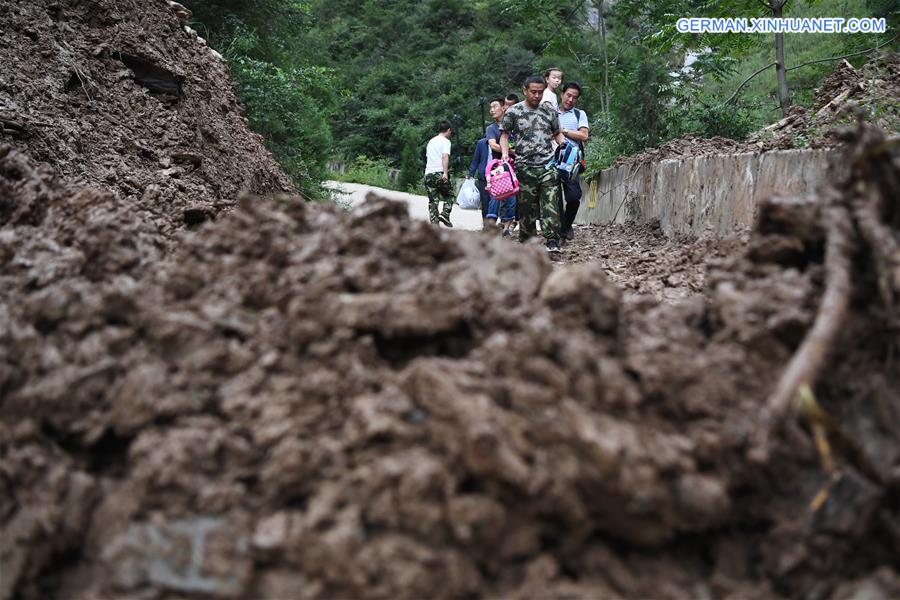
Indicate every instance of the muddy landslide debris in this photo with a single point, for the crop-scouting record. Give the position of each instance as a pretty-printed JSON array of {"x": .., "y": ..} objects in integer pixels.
[
  {"x": 287, "y": 401},
  {"x": 121, "y": 95},
  {"x": 641, "y": 259},
  {"x": 300, "y": 402}
]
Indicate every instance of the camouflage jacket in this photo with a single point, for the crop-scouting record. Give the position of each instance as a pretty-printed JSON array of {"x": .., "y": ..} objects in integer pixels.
[{"x": 534, "y": 129}]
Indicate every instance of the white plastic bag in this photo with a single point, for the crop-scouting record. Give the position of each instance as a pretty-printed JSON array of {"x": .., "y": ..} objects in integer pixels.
[{"x": 468, "y": 197}]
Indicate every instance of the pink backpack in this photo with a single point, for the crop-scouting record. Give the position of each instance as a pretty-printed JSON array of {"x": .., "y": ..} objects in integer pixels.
[{"x": 501, "y": 180}]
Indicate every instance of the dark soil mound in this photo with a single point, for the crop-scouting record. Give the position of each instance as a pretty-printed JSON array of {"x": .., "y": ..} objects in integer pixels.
[
  {"x": 641, "y": 259},
  {"x": 683, "y": 147},
  {"x": 119, "y": 94},
  {"x": 872, "y": 91},
  {"x": 844, "y": 79},
  {"x": 304, "y": 403}
]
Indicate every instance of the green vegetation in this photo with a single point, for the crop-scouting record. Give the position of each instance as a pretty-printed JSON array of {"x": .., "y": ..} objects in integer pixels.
[
  {"x": 290, "y": 98},
  {"x": 365, "y": 82},
  {"x": 370, "y": 171},
  {"x": 379, "y": 172},
  {"x": 758, "y": 98},
  {"x": 654, "y": 99},
  {"x": 409, "y": 64}
]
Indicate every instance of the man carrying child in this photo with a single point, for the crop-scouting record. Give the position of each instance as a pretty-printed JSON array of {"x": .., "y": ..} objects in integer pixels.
[{"x": 535, "y": 125}]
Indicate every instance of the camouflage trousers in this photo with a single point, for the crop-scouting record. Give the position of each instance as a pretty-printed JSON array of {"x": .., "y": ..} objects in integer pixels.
[
  {"x": 438, "y": 191},
  {"x": 538, "y": 199}
]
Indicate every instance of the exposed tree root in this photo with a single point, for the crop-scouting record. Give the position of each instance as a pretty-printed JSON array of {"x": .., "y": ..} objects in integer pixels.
[
  {"x": 809, "y": 358},
  {"x": 859, "y": 215},
  {"x": 877, "y": 212}
]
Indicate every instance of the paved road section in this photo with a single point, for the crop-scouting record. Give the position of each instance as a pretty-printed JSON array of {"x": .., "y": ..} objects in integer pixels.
[{"x": 355, "y": 194}]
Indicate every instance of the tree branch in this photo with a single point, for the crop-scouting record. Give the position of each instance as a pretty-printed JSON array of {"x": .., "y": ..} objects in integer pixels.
[
  {"x": 560, "y": 26},
  {"x": 821, "y": 60},
  {"x": 745, "y": 82}
]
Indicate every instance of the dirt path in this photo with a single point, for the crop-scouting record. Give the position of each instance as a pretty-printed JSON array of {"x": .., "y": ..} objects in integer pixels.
[
  {"x": 355, "y": 194},
  {"x": 639, "y": 258}
]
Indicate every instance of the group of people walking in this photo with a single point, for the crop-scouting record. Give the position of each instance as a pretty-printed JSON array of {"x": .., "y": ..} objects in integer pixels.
[{"x": 544, "y": 137}]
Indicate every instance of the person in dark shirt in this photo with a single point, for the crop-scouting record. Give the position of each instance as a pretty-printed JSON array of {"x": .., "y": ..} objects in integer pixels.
[
  {"x": 476, "y": 169},
  {"x": 504, "y": 210},
  {"x": 497, "y": 109}
]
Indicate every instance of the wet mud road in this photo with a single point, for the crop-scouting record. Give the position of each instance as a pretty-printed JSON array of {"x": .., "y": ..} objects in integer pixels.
[{"x": 639, "y": 258}]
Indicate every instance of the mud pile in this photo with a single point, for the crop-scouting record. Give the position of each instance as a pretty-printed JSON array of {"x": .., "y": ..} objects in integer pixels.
[
  {"x": 300, "y": 402},
  {"x": 683, "y": 147},
  {"x": 872, "y": 90},
  {"x": 844, "y": 80},
  {"x": 874, "y": 87},
  {"x": 641, "y": 259},
  {"x": 120, "y": 94}
]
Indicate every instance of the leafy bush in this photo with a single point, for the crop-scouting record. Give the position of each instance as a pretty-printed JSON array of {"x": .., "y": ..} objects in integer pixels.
[
  {"x": 366, "y": 170},
  {"x": 641, "y": 92},
  {"x": 413, "y": 148},
  {"x": 288, "y": 106},
  {"x": 691, "y": 111},
  {"x": 608, "y": 141},
  {"x": 289, "y": 100}
]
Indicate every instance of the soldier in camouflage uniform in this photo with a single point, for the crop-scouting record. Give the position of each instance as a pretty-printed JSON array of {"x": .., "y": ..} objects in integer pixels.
[
  {"x": 535, "y": 125},
  {"x": 437, "y": 175}
]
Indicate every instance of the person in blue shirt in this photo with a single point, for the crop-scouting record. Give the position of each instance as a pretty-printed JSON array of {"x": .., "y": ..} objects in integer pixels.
[
  {"x": 573, "y": 124},
  {"x": 476, "y": 168}
]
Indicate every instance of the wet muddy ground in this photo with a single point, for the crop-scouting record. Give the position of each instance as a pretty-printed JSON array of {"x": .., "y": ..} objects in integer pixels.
[
  {"x": 210, "y": 395},
  {"x": 306, "y": 402},
  {"x": 122, "y": 95},
  {"x": 641, "y": 259}
]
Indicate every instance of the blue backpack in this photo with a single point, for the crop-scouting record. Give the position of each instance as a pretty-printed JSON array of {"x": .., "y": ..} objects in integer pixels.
[{"x": 570, "y": 158}]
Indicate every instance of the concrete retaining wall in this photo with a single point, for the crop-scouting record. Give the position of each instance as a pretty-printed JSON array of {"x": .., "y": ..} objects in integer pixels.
[{"x": 691, "y": 195}]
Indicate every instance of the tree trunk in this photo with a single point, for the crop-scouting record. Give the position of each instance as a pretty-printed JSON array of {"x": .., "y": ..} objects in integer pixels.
[
  {"x": 784, "y": 95},
  {"x": 604, "y": 100}
]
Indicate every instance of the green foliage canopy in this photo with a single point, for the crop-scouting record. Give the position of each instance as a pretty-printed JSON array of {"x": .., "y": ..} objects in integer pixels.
[
  {"x": 372, "y": 78},
  {"x": 290, "y": 99}
]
